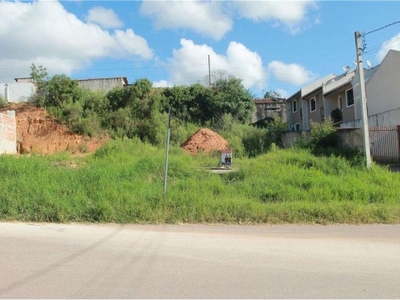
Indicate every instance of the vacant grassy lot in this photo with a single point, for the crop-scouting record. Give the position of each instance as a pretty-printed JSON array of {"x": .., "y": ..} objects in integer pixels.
[{"x": 123, "y": 183}]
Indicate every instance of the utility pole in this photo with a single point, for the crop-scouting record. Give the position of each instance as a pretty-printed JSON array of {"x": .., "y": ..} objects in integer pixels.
[
  {"x": 167, "y": 152},
  {"x": 209, "y": 71},
  {"x": 364, "y": 114}
]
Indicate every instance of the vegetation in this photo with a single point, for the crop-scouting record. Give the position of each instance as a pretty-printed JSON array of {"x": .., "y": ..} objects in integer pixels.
[
  {"x": 139, "y": 110},
  {"x": 123, "y": 182},
  {"x": 3, "y": 101},
  {"x": 315, "y": 182}
]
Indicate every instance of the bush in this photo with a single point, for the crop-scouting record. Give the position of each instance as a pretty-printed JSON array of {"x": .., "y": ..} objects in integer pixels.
[{"x": 3, "y": 101}]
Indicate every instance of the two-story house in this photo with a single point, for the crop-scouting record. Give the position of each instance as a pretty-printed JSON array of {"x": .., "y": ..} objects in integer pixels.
[
  {"x": 338, "y": 97},
  {"x": 306, "y": 105}
]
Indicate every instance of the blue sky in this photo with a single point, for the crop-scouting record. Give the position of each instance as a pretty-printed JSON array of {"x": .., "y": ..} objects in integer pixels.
[{"x": 270, "y": 45}]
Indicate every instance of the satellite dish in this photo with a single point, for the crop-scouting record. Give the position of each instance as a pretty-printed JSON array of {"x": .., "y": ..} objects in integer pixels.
[
  {"x": 346, "y": 68},
  {"x": 370, "y": 64}
]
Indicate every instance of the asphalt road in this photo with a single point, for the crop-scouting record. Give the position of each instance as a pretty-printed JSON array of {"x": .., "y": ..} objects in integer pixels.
[{"x": 199, "y": 261}]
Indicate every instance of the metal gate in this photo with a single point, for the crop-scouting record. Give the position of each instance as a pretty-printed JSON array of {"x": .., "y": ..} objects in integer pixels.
[{"x": 384, "y": 142}]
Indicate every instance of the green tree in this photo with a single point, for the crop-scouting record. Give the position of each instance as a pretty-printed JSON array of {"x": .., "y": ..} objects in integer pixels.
[
  {"x": 232, "y": 98},
  {"x": 272, "y": 95},
  {"x": 39, "y": 77},
  {"x": 60, "y": 89}
]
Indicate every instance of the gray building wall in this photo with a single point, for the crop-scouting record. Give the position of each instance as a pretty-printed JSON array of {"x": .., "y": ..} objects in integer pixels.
[
  {"x": 383, "y": 89},
  {"x": 102, "y": 84},
  {"x": 389, "y": 118},
  {"x": 17, "y": 91}
]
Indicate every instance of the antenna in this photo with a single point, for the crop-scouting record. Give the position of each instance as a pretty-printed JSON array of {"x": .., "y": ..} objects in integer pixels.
[{"x": 370, "y": 64}]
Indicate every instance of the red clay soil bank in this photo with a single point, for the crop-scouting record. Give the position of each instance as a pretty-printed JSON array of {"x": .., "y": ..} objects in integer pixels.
[
  {"x": 204, "y": 140},
  {"x": 38, "y": 133}
]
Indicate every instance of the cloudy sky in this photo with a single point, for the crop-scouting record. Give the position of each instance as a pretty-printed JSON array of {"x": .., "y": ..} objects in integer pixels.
[{"x": 270, "y": 45}]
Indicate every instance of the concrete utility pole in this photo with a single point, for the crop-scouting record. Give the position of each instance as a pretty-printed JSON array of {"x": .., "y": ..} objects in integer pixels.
[
  {"x": 209, "y": 71},
  {"x": 364, "y": 114},
  {"x": 167, "y": 152}
]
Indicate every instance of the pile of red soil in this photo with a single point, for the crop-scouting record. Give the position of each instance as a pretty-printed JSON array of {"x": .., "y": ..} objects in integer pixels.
[
  {"x": 206, "y": 141},
  {"x": 39, "y": 133}
]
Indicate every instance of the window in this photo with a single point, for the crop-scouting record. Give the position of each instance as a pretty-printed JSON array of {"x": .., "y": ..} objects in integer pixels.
[
  {"x": 340, "y": 102},
  {"x": 296, "y": 126},
  {"x": 294, "y": 106},
  {"x": 349, "y": 98},
  {"x": 313, "y": 104}
]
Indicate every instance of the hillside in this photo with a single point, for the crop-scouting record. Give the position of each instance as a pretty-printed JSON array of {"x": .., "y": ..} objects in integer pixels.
[{"x": 37, "y": 132}]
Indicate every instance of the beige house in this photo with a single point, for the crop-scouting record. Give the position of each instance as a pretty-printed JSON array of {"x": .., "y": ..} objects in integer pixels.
[
  {"x": 338, "y": 97},
  {"x": 306, "y": 105}
]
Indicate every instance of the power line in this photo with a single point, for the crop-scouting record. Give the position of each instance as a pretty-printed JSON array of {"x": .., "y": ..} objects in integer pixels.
[{"x": 383, "y": 27}]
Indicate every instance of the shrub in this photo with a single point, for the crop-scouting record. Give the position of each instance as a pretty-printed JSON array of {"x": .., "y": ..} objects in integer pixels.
[{"x": 3, "y": 101}]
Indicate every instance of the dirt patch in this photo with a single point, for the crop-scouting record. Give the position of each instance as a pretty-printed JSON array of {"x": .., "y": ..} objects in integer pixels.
[
  {"x": 206, "y": 141},
  {"x": 39, "y": 133}
]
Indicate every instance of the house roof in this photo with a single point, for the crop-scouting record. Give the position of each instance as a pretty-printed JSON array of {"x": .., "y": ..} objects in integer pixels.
[
  {"x": 338, "y": 82},
  {"x": 312, "y": 87},
  {"x": 269, "y": 101}
]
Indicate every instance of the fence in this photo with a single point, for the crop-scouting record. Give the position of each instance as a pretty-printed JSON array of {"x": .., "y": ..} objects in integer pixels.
[{"x": 384, "y": 142}]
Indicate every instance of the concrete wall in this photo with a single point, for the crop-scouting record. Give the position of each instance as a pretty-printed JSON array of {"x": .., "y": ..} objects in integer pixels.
[
  {"x": 289, "y": 138},
  {"x": 389, "y": 118},
  {"x": 351, "y": 138},
  {"x": 101, "y": 84},
  {"x": 8, "y": 133},
  {"x": 17, "y": 91}
]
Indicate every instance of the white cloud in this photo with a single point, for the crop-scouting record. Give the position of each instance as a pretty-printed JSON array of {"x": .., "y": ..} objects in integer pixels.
[
  {"x": 162, "y": 83},
  {"x": 46, "y": 34},
  {"x": 287, "y": 13},
  {"x": 204, "y": 17},
  {"x": 294, "y": 74},
  {"x": 215, "y": 18},
  {"x": 104, "y": 17},
  {"x": 189, "y": 64},
  {"x": 282, "y": 93},
  {"x": 393, "y": 43}
]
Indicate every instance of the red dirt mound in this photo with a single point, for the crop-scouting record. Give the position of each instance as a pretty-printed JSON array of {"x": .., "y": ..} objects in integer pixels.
[
  {"x": 39, "y": 133},
  {"x": 204, "y": 140}
]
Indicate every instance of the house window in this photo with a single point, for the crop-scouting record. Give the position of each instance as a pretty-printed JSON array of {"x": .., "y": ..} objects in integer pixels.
[
  {"x": 349, "y": 98},
  {"x": 340, "y": 102},
  {"x": 296, "y": 126},
  {"x": 294, "y": 106},
  {"x": 313, "y": 104}
]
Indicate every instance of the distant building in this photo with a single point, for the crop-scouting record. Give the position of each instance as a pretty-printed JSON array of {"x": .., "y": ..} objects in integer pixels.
[
  {"x": 20, "y": 91},
  {"x": 103, "y": 84},
  {"x": 94, "y": 84},
  {"x": 269, "y": 109}
]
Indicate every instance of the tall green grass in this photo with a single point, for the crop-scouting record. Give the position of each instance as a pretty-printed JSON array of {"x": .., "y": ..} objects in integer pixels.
[{"x": 123, "y": 182}]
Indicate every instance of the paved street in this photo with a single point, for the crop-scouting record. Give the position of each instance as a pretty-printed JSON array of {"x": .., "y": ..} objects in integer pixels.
[{"x": 199, "y": 261}]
